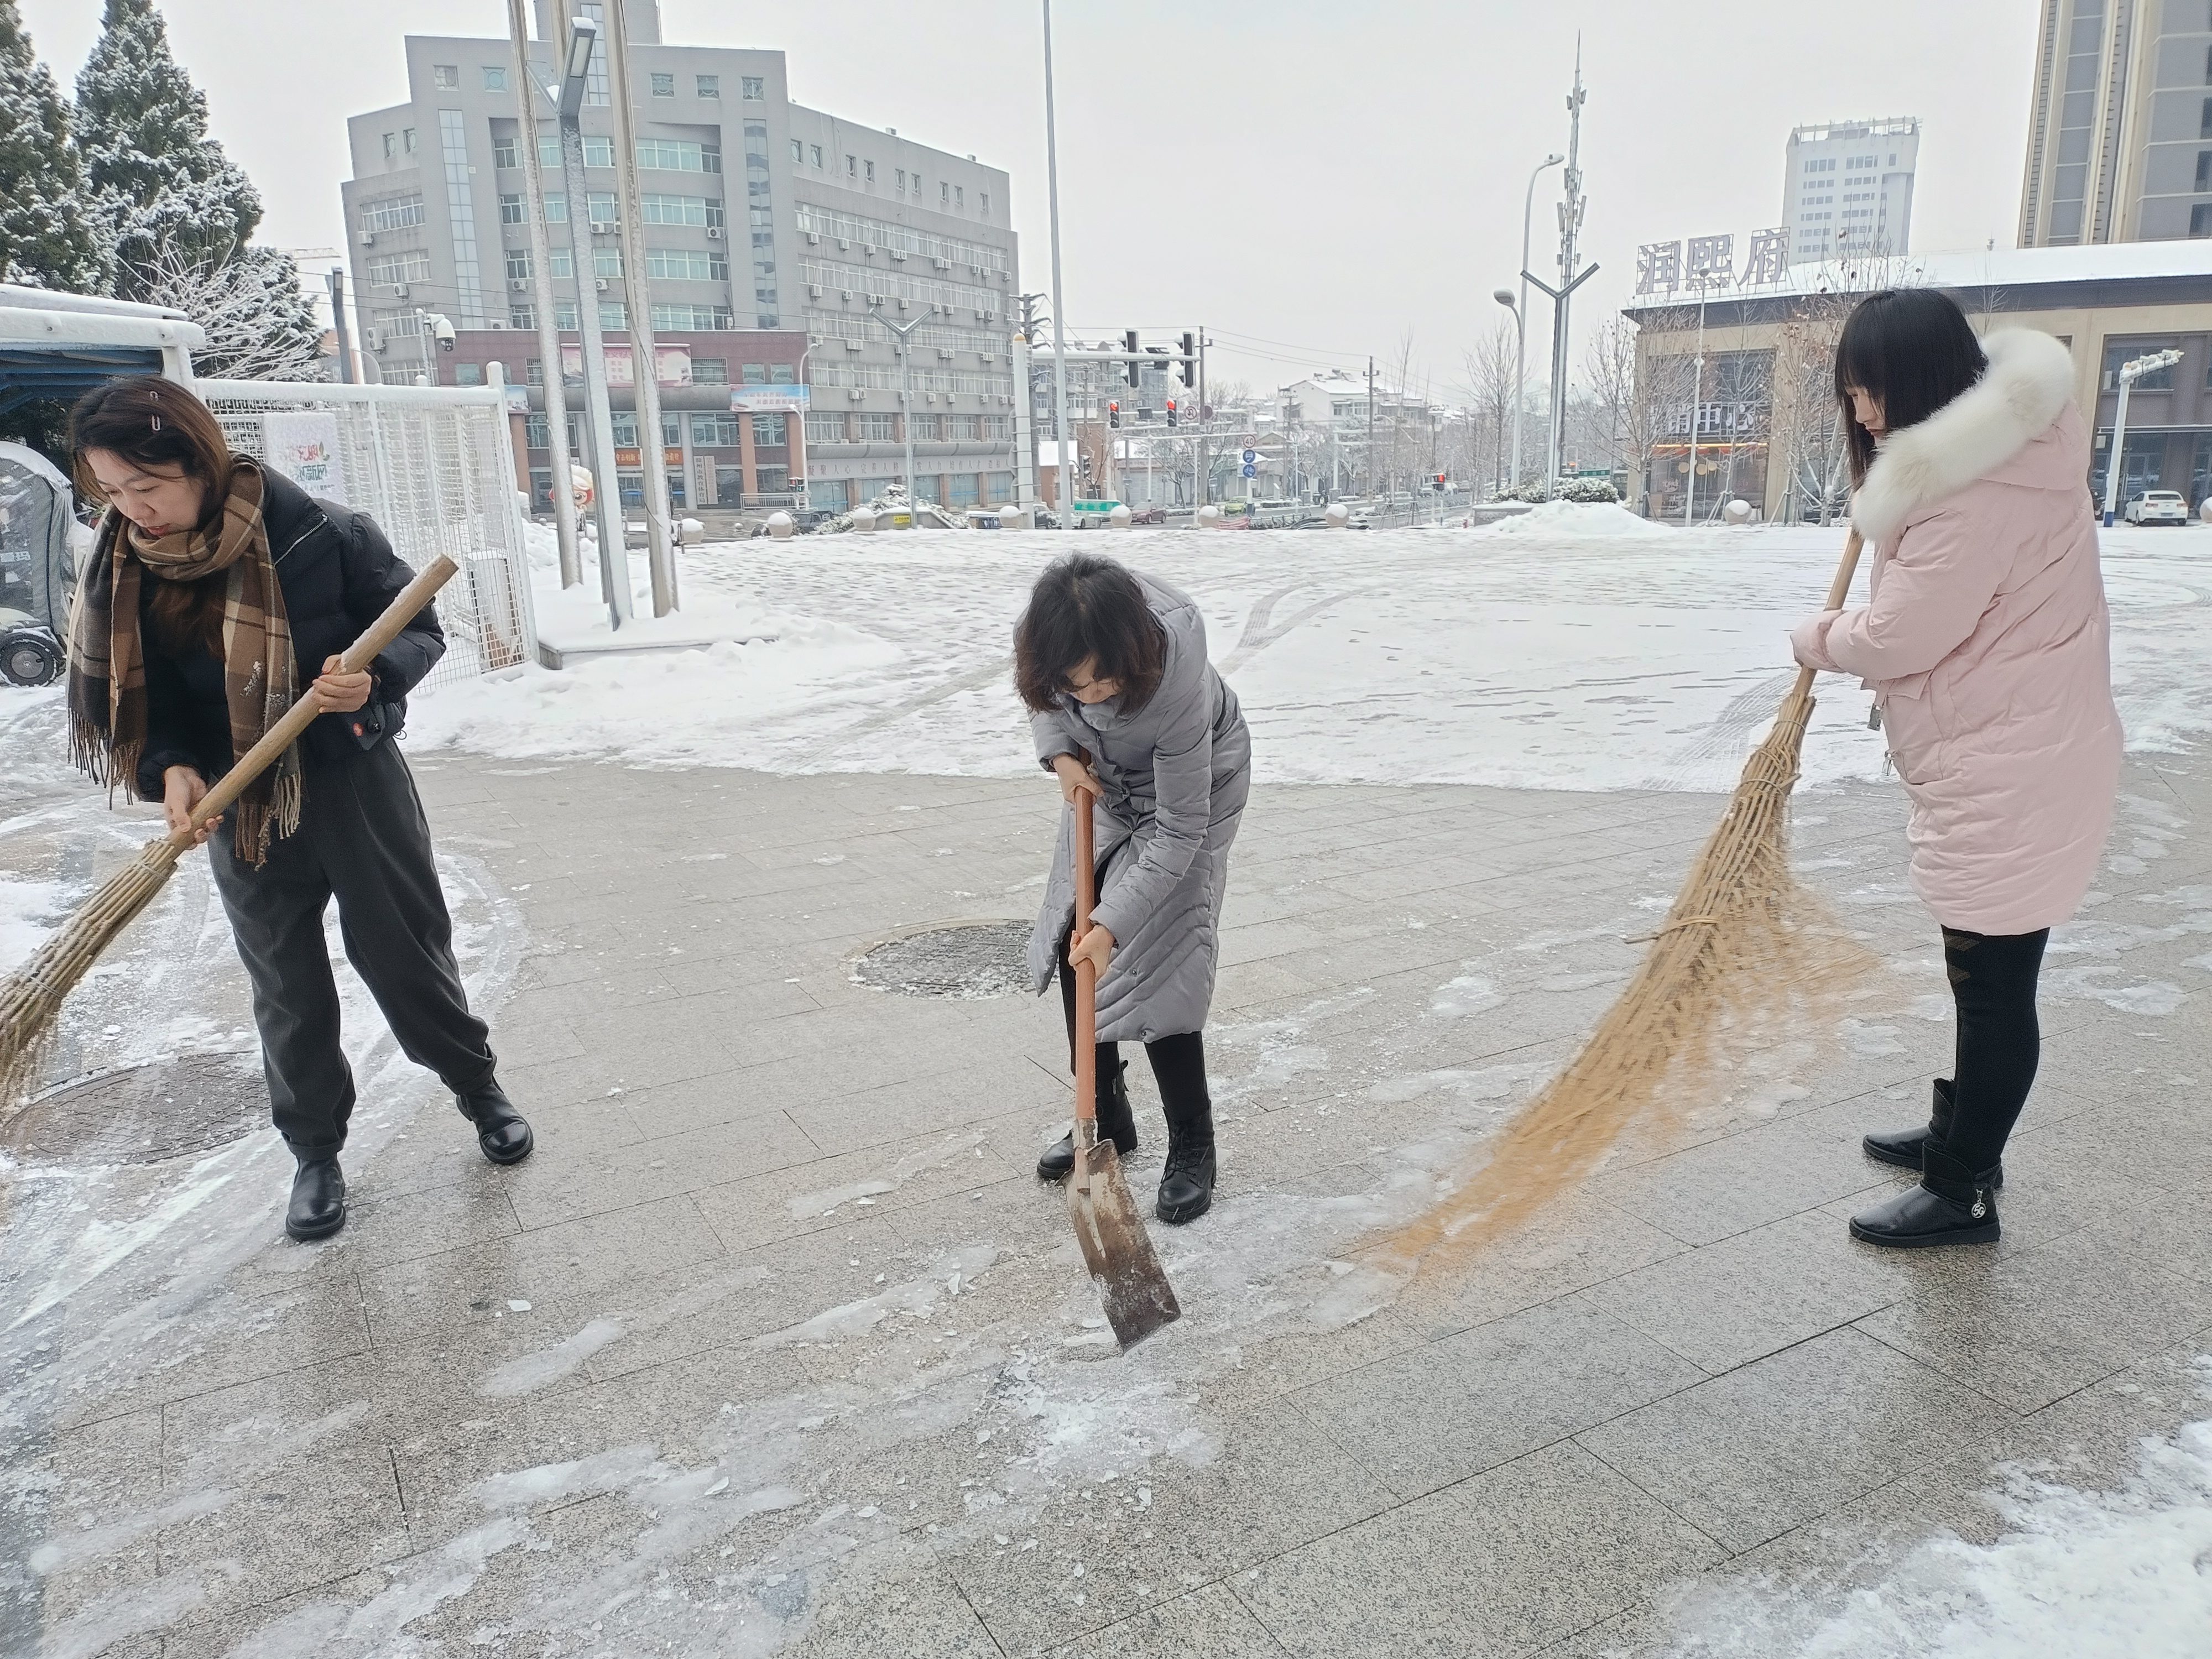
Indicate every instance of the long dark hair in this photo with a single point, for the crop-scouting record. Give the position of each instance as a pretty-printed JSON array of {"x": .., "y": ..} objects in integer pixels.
[
  {"x": 1912, "y": 350},
  {"x": 150, "y": 421},
  {"x": 1088, "y": 608}
]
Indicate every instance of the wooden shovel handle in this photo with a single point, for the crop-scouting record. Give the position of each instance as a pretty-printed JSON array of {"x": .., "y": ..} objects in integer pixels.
[
  {"x": 1086, "y": 975},
  {"x": 302, "y": 713},
  {"x": 1838, "y": 591}
]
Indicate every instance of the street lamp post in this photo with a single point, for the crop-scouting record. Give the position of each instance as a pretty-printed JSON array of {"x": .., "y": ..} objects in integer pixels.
[
  {"x": 905, "y": 332},
  {"x": 1066, "y": 500},
  {"x": 2130, "y": 373},
  {"x": 567, "y": 100},
  {"x": 1520, "y": 311},
  {"x": 1504, "y": 297},
  {"x": 563, "y": 502}
]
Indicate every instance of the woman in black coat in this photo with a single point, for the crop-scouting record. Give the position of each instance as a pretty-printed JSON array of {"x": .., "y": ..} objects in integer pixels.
[{"x": 212, "y": 584}]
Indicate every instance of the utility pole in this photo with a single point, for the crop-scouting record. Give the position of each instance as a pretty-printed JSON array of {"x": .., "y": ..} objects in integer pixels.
[
  {"x": 336, "y": 280},
  {"x": 1370, "y": 468},
  {"x": 905, "y": 333},
  {"x": 1066, "y": 497},
  {"x": 2130, "y": 373},
  {"x": 551, "y": 376},
  {"x": 637, "y": 292},
  {"x": 1570, "y": 220},
  {"x": 1205, "y": 483},
  {"x": 1520, "y": 314}
]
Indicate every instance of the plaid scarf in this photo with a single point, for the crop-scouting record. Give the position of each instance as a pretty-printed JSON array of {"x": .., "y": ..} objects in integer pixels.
[{"x": 107, "y": 661}]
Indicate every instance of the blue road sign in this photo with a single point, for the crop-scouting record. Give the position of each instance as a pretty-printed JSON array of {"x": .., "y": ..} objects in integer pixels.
[{"x": 1251, "y": 471}]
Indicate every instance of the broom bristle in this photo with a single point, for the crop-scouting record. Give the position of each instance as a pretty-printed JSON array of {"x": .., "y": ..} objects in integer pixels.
[
  {"x": 1742, "y": 940},
  {"x": 31, "y": 998}
]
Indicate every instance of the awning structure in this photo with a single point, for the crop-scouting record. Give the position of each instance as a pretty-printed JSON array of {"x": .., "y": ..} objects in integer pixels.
[{"x": 66, "y": 372}]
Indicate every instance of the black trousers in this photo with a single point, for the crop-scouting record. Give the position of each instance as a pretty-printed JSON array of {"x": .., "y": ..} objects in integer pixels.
[
  {"x": 363, "y": 840},
  {"x": 2000, "y": 1042},
  {"x": 1178, "y": 1066}
]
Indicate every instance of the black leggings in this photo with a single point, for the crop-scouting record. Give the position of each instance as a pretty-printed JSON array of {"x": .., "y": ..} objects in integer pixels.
[
  {"x": 1993, "y": 979},
  {"x": 1178, "y": 1066}
]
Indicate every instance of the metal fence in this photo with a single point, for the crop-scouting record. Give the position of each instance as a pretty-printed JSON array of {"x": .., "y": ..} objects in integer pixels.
[{"x": 433, "y": 466}]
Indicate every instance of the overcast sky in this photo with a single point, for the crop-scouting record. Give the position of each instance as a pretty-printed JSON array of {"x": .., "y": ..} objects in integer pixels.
[{"x": 1311, "y": 182}]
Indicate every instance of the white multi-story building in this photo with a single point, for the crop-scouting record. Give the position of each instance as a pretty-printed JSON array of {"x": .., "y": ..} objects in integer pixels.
[
  {"x": 778, "y": 237},
  {"x": 1847, "y": 189}
]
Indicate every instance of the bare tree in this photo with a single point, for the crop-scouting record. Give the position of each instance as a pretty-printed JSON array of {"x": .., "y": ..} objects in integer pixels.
[
  {"x": 259, "y": 322},
  {"x": 1490, "y": 380}
]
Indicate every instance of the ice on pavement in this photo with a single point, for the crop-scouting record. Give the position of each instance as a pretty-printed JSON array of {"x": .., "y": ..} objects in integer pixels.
[{"x": 1577, "y": 647}]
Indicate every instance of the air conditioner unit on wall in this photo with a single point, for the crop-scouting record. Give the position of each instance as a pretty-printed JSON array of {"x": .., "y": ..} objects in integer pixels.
[
  {"x": 369, "y": 238},
  {"x": 603, "y": 228},
  {"x": 519, "y": 284},
  {"x": 601, "y": 283},
  {"x": 714, "y": 233},
  {"x": 399, "y": 290},
  {"x": 856, "y": 394}
]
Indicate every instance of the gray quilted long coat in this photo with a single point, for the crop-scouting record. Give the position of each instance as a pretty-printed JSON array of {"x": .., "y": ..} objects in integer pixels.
[{"x": 1175, "y": 776}]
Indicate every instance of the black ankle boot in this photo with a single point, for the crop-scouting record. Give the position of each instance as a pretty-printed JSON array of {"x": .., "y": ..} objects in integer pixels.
[
  {"x": 1903, "y": 1147},
  {"x": 501, "y": 1130},
  {"x": 1187, "y": 1184},
  {"x": 1951, "y": 1206},
  {"x": 319, "y": 1197},
  {"x": 1116, "y": 1122}
]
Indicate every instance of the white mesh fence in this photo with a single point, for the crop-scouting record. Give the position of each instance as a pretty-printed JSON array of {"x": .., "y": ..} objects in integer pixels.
[{"x": 433, "y": 466}]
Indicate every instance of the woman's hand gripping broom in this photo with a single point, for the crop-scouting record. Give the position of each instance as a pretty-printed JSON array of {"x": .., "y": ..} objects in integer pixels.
[
  {"x": 31, "y": 998},
  {"x": 1726, "y": 944}
]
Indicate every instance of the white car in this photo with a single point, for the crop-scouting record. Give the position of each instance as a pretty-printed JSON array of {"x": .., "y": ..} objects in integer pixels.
[{"x": 2158, "y": 507}]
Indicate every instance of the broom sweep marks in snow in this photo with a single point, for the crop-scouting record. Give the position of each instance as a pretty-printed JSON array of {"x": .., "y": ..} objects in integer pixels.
[{"x": 1743, "y": 944}]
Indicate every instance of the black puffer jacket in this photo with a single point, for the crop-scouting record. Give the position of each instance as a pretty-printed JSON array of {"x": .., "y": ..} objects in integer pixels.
[{"x": 337, "y": 574}]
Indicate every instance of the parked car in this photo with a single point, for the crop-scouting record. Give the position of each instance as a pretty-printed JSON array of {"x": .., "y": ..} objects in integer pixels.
[
  {"x": 2158, "y": 507},
  {"x": 1149, "y": 515}
]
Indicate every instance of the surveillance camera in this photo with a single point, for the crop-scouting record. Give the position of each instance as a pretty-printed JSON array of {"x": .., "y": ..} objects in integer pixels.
[{"x": 443, "y": 329}]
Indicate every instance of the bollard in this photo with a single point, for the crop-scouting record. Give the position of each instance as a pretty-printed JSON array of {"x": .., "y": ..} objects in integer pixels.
[
  {"x": 1337, "y": 517},
  {"x": 1119, "y": 517},
  {"x": 1737, "y": 511},
  {"x": 780, "y": 523},
  {"x": 1209, "y": 516},
  {"x": 690, "y": 532},
  {"x": 863, "y": 519}
]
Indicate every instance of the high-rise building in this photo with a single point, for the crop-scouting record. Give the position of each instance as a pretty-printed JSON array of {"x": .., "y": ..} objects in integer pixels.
[
  {"x": 2119, "y": 136},
  {"x": 834, "y": 226},
  {"x": 1847, "y": 188}
]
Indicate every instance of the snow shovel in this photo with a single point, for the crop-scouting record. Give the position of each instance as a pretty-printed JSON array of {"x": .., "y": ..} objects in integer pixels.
[{"x": 1115, "y": 1247}]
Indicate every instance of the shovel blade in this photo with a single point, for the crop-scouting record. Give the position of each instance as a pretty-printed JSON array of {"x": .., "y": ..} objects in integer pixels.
[{"x": 1116, "y": 1248}]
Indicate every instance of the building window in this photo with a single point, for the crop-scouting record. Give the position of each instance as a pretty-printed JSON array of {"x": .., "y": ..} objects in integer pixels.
[
  {"x": 686, "y": 264},
  {"x": 754, "y": 374},
  {"x": 505, "y": 152},
  {"x": 494, "y": 77},
  {"x": 875, "y": 429},
  {"x": 689, "y": 318},
  {"x": 407, "y": 135},
  {"x": 2204, "y": 120},
  {"x": 960, "y": 198},
  {"x": 764, "y": 296},
  {"x": 664, "y": 83},
  {"x": 769, "y": 430},
  {"x": 783, "y": 374},
  {"x": 412, "y": 266},
  {"x": 714, "y": 431},
  {"x": 754, "y": 88},
  {"x": 2200, "y": 219},
  {"x": 510, "y": 208},
  {"x": 533, "y": 371},
  {"x": 814, "y": 152},
  {"x": 391, "y": 213},
  {"x": 798, "y": 153},
  {"x": 900, "y": 189},
  {"x": 614, "y": 314},
  {"x": 944, "y": 194},
  {"x": 986, "y": 203},
  {"x": 825, "y": 428},
  {"x": 518, "y": 265},
  {"x": 869, "y": 170},
  {"x": 446, "y": 77},
  {"x": 2204, "y": 169},
  {"x": 710, "y": 371},
  {"x": 852, "y": 162},
  {"x": 523, "y": 316},
  {"x": 391, "y": 145},
  {"x": 678, "y": 156},
  {"x": 537, "y": 431},
  {"x": 468, "y": 374},
  {"x": 659, "y": 209},
  {"x": 710, "y": 85}
]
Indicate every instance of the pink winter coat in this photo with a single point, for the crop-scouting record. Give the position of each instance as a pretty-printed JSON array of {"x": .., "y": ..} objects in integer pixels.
[{"x": 1987, "y": 643}]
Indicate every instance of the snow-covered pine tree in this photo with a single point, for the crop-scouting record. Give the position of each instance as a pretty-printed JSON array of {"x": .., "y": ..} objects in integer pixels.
[
  {"x": 159, "y": 187},
  {"x": 45, "y": 239}
]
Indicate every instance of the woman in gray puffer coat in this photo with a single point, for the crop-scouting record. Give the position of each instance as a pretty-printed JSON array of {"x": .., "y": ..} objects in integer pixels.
[{"x": 1123, "y": 702}]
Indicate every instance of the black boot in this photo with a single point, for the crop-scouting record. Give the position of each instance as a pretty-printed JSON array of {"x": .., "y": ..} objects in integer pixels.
[
  {"x": 501, "y": 1130},
  {"x": 1951, "y": 1206},
  {"x": 319, "y": 1197},
  {"x": 1116, "y": 1122},
  {"x": 1903, "y": 1147},
  {"x": 1186, "y": 1183}
]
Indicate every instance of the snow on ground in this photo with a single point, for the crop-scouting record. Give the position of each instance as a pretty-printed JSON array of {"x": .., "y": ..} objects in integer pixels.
[{"x": 1576, "y": 647}]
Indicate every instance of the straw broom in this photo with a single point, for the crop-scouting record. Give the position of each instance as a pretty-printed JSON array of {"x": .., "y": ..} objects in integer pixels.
[
  {"x": 31, "y": 999},
  {"x": 1734, "y": 942}
]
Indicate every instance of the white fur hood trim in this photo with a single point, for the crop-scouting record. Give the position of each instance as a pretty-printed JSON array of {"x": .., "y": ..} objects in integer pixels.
[{"x": 2029, "y": 384}]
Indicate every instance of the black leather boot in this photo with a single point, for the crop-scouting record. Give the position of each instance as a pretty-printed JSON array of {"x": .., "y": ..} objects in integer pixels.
[
  {"x": 1186, "y": 1183},
  {"x": 1951, "y": 1206},
  {"x": 1903, "y": 1147},
  {"x": 318, "y": 1208},
  {"x": 1116, "y": 1122},
  {"x": 501, "y": 1130}
]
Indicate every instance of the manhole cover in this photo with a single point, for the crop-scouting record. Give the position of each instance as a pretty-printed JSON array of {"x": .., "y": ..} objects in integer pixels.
[
  {"x": 977, "y": 959},
  {"x": 144, "y": 1114}
]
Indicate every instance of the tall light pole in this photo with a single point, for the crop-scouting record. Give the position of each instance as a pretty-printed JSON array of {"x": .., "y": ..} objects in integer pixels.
[
  {"x": 541, "y": 275},
  {"x": 1571, "y": 222},
  {"x": 637, "y": 293},
  {"x": 2130, "y": 373},
  {"x": 1504, "y": 297},
  {"x": 905, "y": 332},
  {"x": 1066, "y": 502},
  {"x": 568, "y": 99},
  {"x": 1520, "y": 311}
]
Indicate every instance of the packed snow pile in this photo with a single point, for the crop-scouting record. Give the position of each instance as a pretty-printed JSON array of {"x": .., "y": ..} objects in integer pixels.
[{"x": 1579, "y": 521}]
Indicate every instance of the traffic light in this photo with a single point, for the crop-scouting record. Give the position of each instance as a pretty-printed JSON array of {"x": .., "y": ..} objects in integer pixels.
[
  {"x": 1171, "y": 413},
  {"x": 1113, "y": 413},
  {"x": 1440, "y": 481},
  {"x": 1190, "y": 360},
  {"x": 1129, "y": 345}
]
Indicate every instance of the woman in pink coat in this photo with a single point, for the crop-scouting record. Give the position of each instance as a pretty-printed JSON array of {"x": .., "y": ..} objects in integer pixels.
[{"x": 1986, "y": 645}]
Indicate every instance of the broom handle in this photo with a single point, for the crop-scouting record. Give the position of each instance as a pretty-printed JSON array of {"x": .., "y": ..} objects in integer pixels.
[
  {"x": 302, "y": 713},
  {"x": 1086, "y": 975},
  {"x": 1839, "y": 592}
]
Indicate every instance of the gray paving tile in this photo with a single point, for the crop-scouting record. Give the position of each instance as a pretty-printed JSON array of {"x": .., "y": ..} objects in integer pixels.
[
  {"x": 1208, "y": 1623},
  {"x": 1746, "y": 1455}
]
